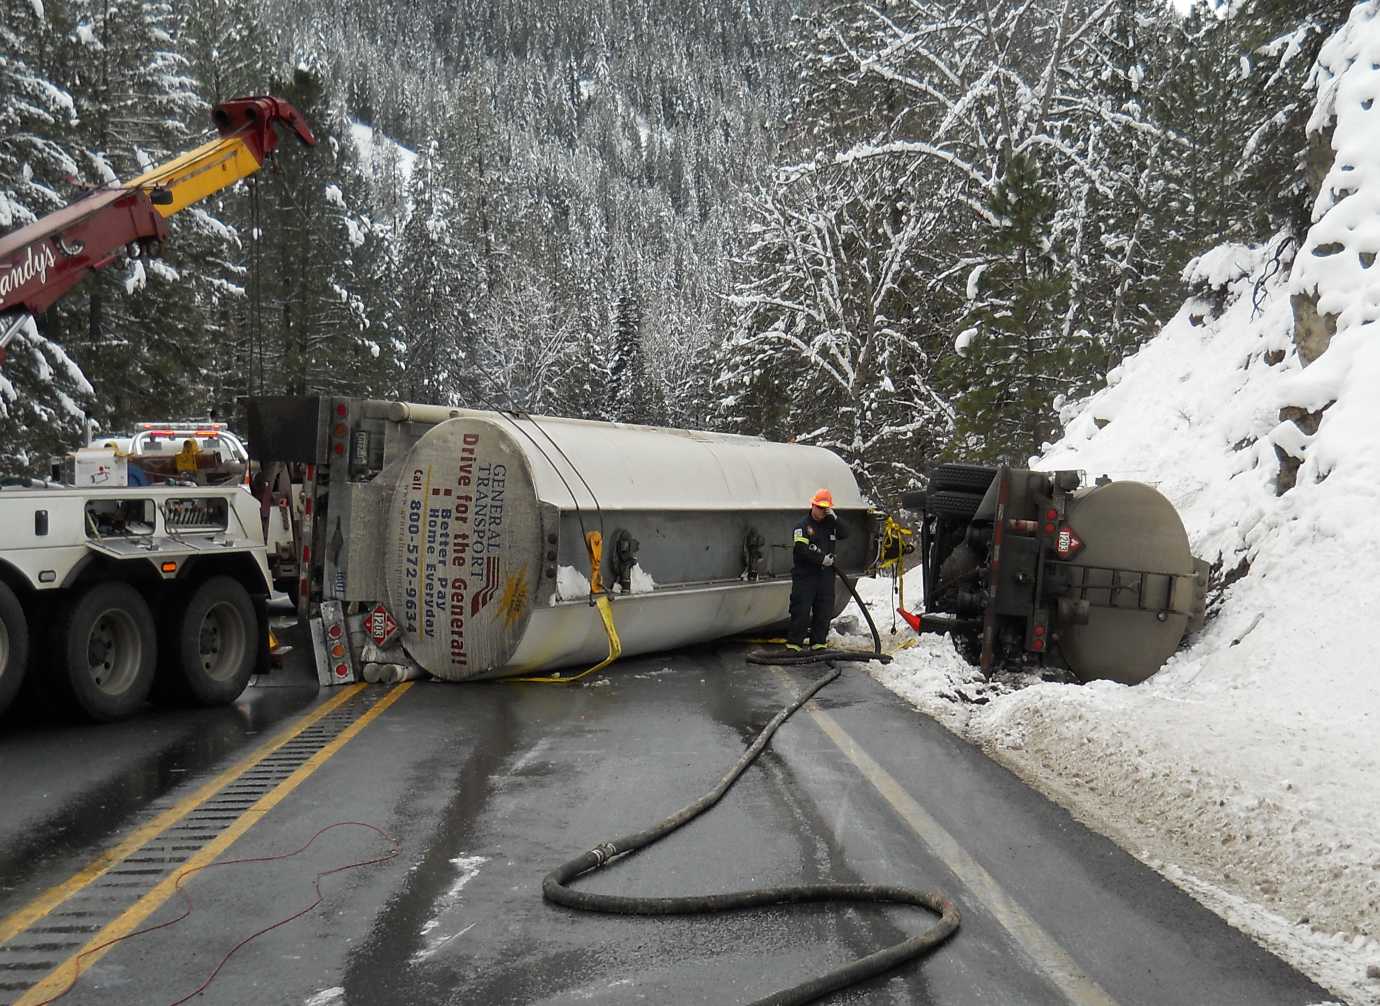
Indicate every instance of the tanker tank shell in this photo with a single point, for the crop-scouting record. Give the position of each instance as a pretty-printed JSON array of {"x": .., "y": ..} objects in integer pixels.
[{"x": 489, "y": 512}]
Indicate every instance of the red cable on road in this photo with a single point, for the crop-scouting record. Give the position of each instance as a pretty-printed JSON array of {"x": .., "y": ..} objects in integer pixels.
[{"x": 187, "y": 898}]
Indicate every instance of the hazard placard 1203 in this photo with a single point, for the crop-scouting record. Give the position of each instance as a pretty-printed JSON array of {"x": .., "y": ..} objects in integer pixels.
[{"x": 382, "y": 626}]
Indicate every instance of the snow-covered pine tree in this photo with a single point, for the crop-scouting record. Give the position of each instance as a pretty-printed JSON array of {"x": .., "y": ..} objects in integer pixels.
[
  {"x": 36, "y": 112},
  {"x": 1200, "y": 100},
  {"x": 1281, "y": 40},
  {"x": 311, "y": 328},
  {"x": 580, "y": 373},
  {"x": 44, "y": 402},
  {"x": 1115, "y": 219},
  {"x": 1013, "y": 356},
  {"x": 522, "y": 336},
  {"x": 627, "y": 396},
  {"x": 226, "y": 47},
  {"x": 135, "y": 330},
  {"x": 43, "y": 395},
  {"x": 437, "y": 270}
]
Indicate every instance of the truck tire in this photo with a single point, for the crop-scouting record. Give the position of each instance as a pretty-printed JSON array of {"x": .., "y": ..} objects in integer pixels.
[
  {"x": 14, "y": 646},
  {"x": 951, "y": 503},
  {"x": 106, "y": 649},
  {"x": 914, "y": 500},
  {"x": 968, "y": 478},
  {"x": 209, "y": 645}
]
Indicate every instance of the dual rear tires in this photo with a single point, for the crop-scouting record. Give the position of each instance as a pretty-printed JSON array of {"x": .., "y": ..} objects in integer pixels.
[
  {"x": 210, "y": 647},
  {"x": 109, "y": 655},
  {"x": 955, "y": 490}
]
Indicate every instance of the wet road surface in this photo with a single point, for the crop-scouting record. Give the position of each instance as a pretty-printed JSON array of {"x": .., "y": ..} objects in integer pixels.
[{"x": 487, "y": 787}]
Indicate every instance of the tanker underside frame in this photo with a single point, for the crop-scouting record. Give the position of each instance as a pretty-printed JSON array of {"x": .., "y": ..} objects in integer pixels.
[{"x": 1038, "y": 570}]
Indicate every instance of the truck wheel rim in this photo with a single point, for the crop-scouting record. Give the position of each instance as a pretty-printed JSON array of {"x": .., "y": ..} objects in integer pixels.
[
  {"x": 221, "y": 642},
  {"x": 114, "y": 652}
]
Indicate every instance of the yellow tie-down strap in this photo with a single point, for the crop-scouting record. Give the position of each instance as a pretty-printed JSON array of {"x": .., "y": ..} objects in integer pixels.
[
  {"x": 893, "y": 553},
  {"x": 594, "y": 542}
]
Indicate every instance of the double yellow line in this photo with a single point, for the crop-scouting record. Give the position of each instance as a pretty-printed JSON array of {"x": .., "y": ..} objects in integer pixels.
[{"x": 60, "y": 977}]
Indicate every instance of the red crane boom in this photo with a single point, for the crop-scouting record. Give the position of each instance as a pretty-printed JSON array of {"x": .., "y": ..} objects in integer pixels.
[{"x": 43, "y": 260}]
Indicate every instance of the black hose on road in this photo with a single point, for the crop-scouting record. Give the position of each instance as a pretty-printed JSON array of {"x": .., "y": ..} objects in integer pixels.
[{"x": 555, "y": 885}]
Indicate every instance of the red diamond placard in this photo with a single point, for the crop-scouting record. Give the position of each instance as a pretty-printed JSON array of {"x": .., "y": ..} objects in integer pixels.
[
  {"x": 382, "y": 626},
  {"x": 1068, "y": 544}
]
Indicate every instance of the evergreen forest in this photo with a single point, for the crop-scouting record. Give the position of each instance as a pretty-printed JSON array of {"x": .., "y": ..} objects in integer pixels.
[{"x": 904, "y": 230}]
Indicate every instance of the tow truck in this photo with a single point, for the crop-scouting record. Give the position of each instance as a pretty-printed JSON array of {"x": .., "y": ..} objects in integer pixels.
[{"x": 132, "y": 591}]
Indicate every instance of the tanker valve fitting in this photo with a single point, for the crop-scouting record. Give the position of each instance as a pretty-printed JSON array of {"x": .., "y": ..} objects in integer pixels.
[
  {"x": 753, "y": 544},
  {"x": 625, "y": 548}
]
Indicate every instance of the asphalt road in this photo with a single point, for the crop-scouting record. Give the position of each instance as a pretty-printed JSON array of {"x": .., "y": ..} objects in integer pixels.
[{"x": 485, "y": 788}]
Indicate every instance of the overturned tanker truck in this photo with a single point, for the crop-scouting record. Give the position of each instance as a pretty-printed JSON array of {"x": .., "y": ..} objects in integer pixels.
[
  {"x": 1039, "y": 569},
  {"x": 475, "y": 544}
]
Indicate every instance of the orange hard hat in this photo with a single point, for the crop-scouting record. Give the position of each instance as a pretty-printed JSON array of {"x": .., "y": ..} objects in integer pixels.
[{"x": 823, "y": 498}]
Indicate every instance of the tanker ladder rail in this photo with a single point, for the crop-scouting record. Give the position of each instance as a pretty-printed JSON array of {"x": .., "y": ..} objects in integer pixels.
[{"x": 555, "y": 887}]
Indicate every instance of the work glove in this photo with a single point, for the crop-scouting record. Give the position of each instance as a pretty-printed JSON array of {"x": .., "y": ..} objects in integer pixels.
[{"x": 828, "y": 561}]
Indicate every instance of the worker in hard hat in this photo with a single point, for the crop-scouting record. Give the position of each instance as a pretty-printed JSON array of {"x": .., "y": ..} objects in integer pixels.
[{"x": 812, "y": 573}]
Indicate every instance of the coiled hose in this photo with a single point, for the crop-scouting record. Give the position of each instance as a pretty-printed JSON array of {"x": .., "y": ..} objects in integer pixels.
[{"x": 555, "y": 887}]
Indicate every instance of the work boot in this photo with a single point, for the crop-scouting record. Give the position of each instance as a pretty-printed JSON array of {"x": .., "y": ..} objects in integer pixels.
[
  {"x": 793, "y": 647},
  {"x": 819, "y": 646}
]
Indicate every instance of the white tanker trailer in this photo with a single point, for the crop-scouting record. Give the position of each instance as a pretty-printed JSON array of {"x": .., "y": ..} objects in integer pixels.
[{"x": 464, "y": 536}]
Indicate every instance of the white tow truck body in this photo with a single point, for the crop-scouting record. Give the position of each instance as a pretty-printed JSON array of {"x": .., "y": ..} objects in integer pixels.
[
  {"x": 49, "y": 535},
  {"x": 111, "y": 595}
]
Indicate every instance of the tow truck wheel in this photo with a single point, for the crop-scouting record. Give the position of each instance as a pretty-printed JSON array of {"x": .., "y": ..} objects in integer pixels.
[
  {"x": 106, "y": 651},
  {"x": 208, "y": 656},
  {"x": 14, "y": 646}
]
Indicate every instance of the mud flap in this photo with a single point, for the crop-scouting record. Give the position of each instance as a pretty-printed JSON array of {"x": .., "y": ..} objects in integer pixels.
[{"x": 330, "y": 638}]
